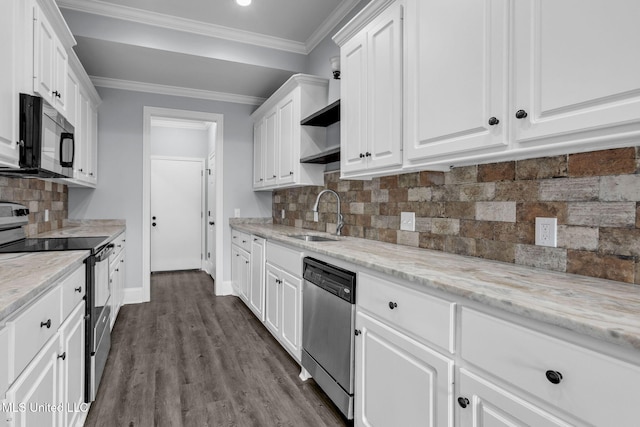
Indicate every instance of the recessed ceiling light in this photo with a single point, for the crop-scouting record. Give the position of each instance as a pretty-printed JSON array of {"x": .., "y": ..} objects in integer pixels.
[{"x": 243, "y": 2}]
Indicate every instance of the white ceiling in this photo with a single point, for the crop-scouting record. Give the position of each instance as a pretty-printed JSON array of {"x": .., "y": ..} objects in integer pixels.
[{"x": 207, "y": 48}]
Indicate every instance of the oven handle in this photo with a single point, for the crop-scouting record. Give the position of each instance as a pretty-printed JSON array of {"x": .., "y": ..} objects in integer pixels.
[{"x": 105, "y": 252}]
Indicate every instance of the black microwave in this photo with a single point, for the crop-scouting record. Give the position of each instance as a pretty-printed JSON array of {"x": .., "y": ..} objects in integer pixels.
[{"x": 47, "y": 143}]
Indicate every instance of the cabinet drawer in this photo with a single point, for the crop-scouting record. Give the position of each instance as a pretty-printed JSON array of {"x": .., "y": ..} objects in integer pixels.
[
  {"x": 599, "y": 389},
  {"x": 425, "y": 317},
  {"x": 289, "y": 259},
  {"x": 73, "y": 290},
  {"x": 34, "y": 327},
  {"x": 241, "y": 239}
]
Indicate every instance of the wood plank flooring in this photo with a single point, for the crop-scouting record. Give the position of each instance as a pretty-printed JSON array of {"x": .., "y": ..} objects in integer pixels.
[{"x": 189, "y": 358}]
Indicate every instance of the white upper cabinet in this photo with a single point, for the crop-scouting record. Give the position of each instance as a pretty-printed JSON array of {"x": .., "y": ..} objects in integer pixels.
[
  {"x": 50, "y": 62},
  {"x": 8, "y": 84},
  {"x": 577, "y": 71},
  {"x": 457, "y": 78},
  {"x": 371, "y": 51},
  {"x": 279, "y": 139},
  {"x": 501, "y": 80}
]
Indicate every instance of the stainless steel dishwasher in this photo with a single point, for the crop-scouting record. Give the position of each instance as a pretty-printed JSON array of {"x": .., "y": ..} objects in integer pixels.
[{"x": 328, "y": 320}]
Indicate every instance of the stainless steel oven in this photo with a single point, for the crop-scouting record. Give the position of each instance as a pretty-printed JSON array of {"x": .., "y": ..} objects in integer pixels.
[
  {"x": 98, "y": 297},
  {"x": 98, "y": 331},
  {"x": 328, "y": 320}
]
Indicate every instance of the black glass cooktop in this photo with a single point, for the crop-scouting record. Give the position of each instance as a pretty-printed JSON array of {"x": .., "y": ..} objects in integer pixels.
[{"x": 54, "y": 244}]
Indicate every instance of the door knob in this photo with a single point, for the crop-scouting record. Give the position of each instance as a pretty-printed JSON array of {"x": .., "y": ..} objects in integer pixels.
[
  {"x": 463, "y": 402},
  {"x": 153, "y": 218},
  {"x": 212, "y": 223},
  {"x": 493, "y": 121},
  {"x": 153, "y": 224},
  {"x": 521, "y": 114}
]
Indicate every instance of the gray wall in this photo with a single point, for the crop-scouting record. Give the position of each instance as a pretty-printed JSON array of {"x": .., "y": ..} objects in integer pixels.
[
  {"x": 175, "y": 142},
  {"x": 119, "y": 191}
]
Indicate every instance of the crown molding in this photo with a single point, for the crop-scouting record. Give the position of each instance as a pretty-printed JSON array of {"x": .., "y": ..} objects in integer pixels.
[
  {"x": 330, "y": 23},
  {"x": 366, "y": 15},
  {"x": 175, "y": 91},
  {"x": 140, "y": 16}
]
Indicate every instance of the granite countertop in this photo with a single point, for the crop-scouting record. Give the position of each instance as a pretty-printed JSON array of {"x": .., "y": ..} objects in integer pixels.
[
  {"x": 602, "y": 309},
  {"x": 24, "y": 276}
]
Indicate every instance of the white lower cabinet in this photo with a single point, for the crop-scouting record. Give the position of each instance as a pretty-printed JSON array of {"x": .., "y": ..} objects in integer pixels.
[
  {"x": 399, "y": 381},
  {"x": 49, "y": 389},
  {"x": 577, "y": 384},
  {"x": 72, "y": 367},
  {"x": 283, "y": 313},
  {"x": 117, "y": 276},
  {"x": 256, "y": 283},
  {"x": 241, "y": 271},
  {"x": 37, "y": 387},
  {"x": 483, "y": 404},
  {"x": 283, "y": 295}
]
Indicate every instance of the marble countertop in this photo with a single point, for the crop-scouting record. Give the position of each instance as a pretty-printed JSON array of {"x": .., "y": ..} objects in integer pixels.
[
  {"x": 602, "y": 309},
  {"x": 24, "y": 276}
]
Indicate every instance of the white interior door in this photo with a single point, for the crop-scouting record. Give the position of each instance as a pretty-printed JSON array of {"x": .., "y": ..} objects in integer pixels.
[
  {"x": 211, "y": 216},
  {"x": 176, "y": 213}
]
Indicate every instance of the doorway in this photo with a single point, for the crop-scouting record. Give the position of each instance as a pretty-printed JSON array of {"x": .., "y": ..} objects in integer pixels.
[
  {"x": 177, "y": 201},
  {"x": 154, "y": 114}
]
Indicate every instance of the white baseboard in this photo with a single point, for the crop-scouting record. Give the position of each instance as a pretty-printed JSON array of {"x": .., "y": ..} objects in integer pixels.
[
  {"x": 224, "y": 288},
  {"x": 133, "y": 296}
]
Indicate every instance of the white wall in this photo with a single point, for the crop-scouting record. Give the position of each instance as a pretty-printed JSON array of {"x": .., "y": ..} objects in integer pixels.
[{"x": 119, "y": 191}]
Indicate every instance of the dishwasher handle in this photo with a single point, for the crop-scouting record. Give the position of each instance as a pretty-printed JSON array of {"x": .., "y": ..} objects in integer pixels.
[{"x": 105, "y": 252}]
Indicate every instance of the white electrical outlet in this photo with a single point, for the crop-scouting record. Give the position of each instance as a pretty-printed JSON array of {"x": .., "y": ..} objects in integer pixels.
[
  {"x": 236, "y": 212},
  {"x": 315, "y": 216},
  {"x": 46, "y": 215},
  {"x": 547, "y": 232},
  {"x": 408, "y": 221},
  {"x": 282, "y": 214}
]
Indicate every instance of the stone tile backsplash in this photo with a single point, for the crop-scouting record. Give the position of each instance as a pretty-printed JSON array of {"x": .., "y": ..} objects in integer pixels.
[
  {"x": 489, "y": 211},
  {"x": 37, "y": 195}
]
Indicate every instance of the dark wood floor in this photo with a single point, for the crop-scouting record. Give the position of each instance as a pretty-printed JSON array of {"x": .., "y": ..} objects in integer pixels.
[{"x": 189, "y": 358}]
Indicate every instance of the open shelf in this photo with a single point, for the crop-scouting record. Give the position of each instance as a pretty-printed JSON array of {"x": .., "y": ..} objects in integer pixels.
[
  {"x": 329, "y": 156},
  {"x": 325, "y": 117}
]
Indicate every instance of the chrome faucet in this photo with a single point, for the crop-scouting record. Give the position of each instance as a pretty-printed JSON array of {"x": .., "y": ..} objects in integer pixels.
[{"x": 315, "y": 210}]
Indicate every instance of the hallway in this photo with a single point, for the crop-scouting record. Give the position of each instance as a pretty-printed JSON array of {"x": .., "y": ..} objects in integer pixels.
[{"x": 189, "y": 358}]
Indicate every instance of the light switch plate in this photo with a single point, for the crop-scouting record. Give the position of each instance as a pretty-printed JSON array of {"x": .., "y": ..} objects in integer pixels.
[{"x": 408, "y": 221}]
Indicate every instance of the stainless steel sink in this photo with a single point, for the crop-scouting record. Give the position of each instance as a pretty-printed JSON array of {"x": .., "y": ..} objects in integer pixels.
[{"x": 313, "y": 238}]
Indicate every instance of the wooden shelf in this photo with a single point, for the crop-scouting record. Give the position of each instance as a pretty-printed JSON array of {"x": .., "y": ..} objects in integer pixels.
[{"x": 325, "y": 117}]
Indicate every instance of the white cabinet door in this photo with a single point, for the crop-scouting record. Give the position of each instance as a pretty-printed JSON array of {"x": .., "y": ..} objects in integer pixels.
[
  {"x": 35, "y": 388},
  {"x": 353, "y": 105},
  {"x": 8, "y": 83},
  {"x": 570, "y": 77},
  {"x": 288, "y": 134},
  {"x": 240, "y": 271},
  {"x": 72, "y": 366},
  {"x": 273, "y": 307},
  {"x": 92, "y": 161},
  {"x": 457, "y": 78},
  {"x": 384, "y": 82},
  {"x": 482, "y": 404},
  {"x": 82, "y": 136},
  {"x": 60, "y": 61},
  {"x": 398, "y": 381},
  {"x": 72, "y": 103},
  {"x": 371, "y": 105},
  {"x": 291, "y": 289},
  {"x": 259, "y": 134},
  {"x": 256, "y": 291},
  {"x": 271, "y": 148},
  {"x": 45, "y": 42}
]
